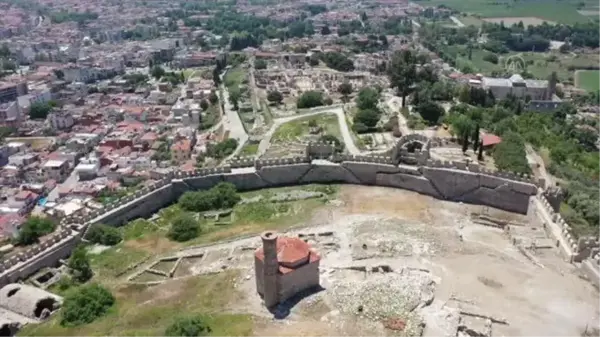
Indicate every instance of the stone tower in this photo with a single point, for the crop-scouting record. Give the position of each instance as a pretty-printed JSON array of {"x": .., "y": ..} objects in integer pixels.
[{"x": 270, "y": 269}]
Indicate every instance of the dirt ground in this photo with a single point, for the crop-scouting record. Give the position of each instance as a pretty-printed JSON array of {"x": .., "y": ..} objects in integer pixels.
[{"x": 411, "y": 244}]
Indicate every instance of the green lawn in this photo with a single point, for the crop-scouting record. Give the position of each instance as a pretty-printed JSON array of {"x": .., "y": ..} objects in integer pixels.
[
  {"x": 249, "y": 150},
  {"x": 294, "y": 130},
  {"x": 589, "y": 80},
  {"x": 552, "y": 10}
]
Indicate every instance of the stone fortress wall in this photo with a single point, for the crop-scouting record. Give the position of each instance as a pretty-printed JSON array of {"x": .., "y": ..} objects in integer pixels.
[{"x": 443, "y": 180}]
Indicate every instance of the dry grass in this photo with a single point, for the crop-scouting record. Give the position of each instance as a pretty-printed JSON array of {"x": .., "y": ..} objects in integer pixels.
[{"x": 147, "y": 311}]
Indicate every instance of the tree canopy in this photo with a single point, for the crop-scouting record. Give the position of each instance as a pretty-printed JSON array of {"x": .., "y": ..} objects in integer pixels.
[
  {"x": 39, "y": 110},
  {"x": 402, "y": 72},
  {"x": 184, "y": 228},
  {"x": 310, "y": 99},
  {"x": 275, "y": 96},
  {"x": 85, "y": 304},
  {"x": 79, "y": 263},
  {"x": 33, "y": 228},
  {"x": 103, "y": 235},
  {"x": 337, "y": 61},
  {"x": 223, "y": 195}
]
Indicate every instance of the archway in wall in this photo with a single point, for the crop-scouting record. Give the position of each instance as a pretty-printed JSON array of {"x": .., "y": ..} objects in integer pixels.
[{"x": 414, "y": 146}]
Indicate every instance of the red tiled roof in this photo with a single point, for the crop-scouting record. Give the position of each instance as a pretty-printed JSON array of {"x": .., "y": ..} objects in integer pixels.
[
  {"x": 289, "y": 252},
  {"x": 490, "y": 139}
]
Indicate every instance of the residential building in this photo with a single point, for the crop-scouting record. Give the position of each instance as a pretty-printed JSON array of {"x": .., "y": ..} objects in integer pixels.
[
  {"x": 56, "y": 169},
  {"x": 60, "y": 120}
]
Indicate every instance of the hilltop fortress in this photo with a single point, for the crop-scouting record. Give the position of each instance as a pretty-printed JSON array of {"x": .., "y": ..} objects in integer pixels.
[{"x": 407, "y": 166}]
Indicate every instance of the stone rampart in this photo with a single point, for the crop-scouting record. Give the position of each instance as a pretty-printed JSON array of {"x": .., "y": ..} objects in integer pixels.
[
  {"x": 443, "y": 181},
  {"x": 562, "y": 234}
]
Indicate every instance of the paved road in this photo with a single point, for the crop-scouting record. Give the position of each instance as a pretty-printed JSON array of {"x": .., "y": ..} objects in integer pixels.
[
  {"x": 535, "y": 157},
  {"x": 233, "y": 123},
  {"x": 338, "y": 111},
  {"x": 457, "y": 21}
]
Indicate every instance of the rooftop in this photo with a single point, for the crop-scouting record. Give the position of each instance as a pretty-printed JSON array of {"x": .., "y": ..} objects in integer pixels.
[{"x": 290, "y": 253}]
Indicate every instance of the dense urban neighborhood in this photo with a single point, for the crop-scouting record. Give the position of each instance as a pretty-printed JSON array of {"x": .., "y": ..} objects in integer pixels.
[{"x": 266, "y": 167}]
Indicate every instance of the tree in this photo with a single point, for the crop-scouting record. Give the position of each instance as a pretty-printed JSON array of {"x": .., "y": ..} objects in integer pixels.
[
  {"x": 59, "y": 74},
  {"x": 39, "y": 110},
  {"x": 510, "y": 154},
  {"x": 204, "y": 104},
  {"x": 184, "y": 228},
  {"x": 188, "y": 327},
  {"x": 475, "y": 137},
  {"x": 260, "y": 64},
  {"x": 402, "y": 73},
  {"x": 325, "y": 30},
  {"x": 103, "y": 235},
  {"x": 465, "y": 142},
  {"x": 430, "y": 111},
  {"x": 345, "y": 89},
  {"x": 310, "y": 99},
  {"x": 480, "y": 153},
  {"x": 33, "y": 228},
  {"x": 275, "y": 96},
  {"x": 313, "y": 61},
  {"x": 367, "y": 98},
  {"x": 367, "y": 117},
  {"x": 465, "y": 94},
  {"x": 234, "y": 97},
  {"x": 213, "y": 98},
  {"x": 79, "y": 263},
  {"x": 85, "y": 304},
  {"x": 222, "y": 196},
  {"x": 337, "y": 61},
  {"x": 157, "y": 72},
  {"x": 222, "y": 149}
]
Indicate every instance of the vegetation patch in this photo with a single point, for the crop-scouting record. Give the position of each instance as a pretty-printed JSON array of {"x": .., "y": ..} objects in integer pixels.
[
  {"x": 149, "y": 310},
  {"x": 588, "y": 80},
  {"x": 296, "y": 129}
]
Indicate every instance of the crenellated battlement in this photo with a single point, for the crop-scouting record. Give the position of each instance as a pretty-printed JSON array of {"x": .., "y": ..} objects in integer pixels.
[
  {"x": 476, "y": 168},
  {"x": 338, "y": 158},
  {"x": 240, "y": 162},
  {"x": 280, "y": 162}
]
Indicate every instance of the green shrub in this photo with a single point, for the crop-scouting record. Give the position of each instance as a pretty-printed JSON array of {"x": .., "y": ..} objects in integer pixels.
[
  {"x": 184, "y": 228},
  {"x": 86, "y": 304},
  {"x": 103, "y": 235},
  {"x": 33, "y": 228},
  {"x": 79, "y": 263},
  {"x": 188, "y": 327},
  {"x": 223, "y": 195}
]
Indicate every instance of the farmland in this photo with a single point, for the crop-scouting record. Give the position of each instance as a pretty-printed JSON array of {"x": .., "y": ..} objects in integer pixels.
[
  {"x": 549, "y": 10},
  {"x": 588, "y": 80}
]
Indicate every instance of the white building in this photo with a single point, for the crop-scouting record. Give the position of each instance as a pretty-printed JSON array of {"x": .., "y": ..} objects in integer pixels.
[
  {"x": 515, "y": 85},
  {"x": 88, "y": 168}
]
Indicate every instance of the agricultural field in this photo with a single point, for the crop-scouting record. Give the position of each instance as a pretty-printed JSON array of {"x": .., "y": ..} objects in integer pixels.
[
  {"x": 555, "y": 11},
  {"x": 470, "y": 20},
  {"x": 588, "y": 80}
]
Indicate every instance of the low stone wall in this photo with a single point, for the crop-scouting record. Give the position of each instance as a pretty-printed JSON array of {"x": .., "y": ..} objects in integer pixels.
[{"x": 440, "y": 180}]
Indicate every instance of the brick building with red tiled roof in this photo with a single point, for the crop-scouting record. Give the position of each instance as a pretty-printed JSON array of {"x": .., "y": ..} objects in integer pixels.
[{"x": 284, "y": 266}]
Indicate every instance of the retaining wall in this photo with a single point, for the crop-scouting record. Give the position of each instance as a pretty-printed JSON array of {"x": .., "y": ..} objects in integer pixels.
[{"x": 442, "y": 180}]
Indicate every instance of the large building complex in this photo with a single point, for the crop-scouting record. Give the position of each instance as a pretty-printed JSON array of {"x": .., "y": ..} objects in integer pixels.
[{"x": 538, "y": 90}]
